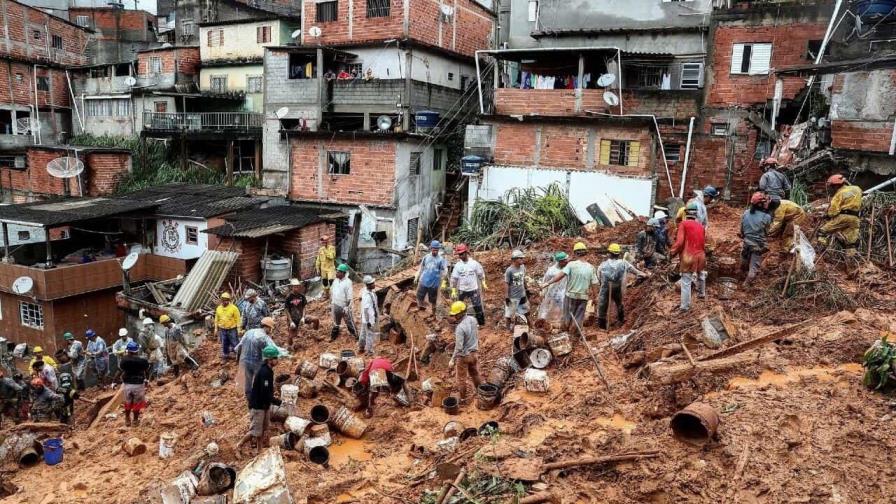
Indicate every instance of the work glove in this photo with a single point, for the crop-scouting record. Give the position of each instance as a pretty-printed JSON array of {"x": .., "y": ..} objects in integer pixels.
[
  {"x": 451, "y": 363},
  {"x": 453, "y": 293},
  {"x": 484, "y": 285},
  {"x": 444, "y": 284}
]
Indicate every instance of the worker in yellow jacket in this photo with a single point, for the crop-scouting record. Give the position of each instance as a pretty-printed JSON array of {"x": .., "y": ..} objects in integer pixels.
[
  {"x": 325, "y": 264},
  {"x": 785, "y": 215},
  {"x": 39, "y": 354},
  {"x": 843, "y": 214},
  {"x": 227, "y": 324}
]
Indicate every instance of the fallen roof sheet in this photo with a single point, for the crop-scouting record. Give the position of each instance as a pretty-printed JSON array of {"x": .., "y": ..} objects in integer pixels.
[
  {"x": 204, "y": 280},
  {"x": 260, "y": 222},
  {"x": 69, "y": 211}
]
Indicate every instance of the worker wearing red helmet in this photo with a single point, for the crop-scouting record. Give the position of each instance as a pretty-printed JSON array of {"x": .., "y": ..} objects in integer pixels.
[
  {"x": 468, "y": 281},
  {"x": 754, "y": 231},
  {"x": 843, "y": 214},
  {"x": 773, "y": 183}
]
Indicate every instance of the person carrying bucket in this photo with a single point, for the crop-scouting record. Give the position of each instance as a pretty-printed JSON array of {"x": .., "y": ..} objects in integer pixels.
[
  {"x": 261, "y": 397},
  {"x": 466, "y": 349}
]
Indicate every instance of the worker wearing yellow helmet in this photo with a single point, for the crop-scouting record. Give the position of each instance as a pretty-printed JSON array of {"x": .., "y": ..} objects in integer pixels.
[
  {"x": 581, "y": 284},
  {"x": 612, "y": 273},
  {"x": 465, "y": 359},
  {"x": 38, "y": 353}
]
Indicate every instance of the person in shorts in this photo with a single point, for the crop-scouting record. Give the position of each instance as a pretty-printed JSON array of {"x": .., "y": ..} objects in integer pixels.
[
  {"x": 134, "y": 375},
  {"x": 431, "y": 276},
  {"x": 261, "y": 397}
]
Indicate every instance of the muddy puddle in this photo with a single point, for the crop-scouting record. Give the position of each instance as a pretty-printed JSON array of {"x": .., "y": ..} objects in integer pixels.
[{"x": 771, "y": 378}]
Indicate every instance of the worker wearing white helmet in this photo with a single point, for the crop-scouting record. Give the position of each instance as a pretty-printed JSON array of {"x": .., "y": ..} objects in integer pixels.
[
  {"x": 370, "y": 315},
  {"x": 516, "y": 303},
  {"x": 120, "y": 346}
]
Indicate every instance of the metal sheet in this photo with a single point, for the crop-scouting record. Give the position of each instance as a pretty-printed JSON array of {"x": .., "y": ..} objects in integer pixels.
[{"x": 204, "y": 279}]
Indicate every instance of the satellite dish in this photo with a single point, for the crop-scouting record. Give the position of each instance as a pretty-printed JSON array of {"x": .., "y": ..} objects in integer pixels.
[
  {"x": 314, "y": 31},
  {"x": 166, "y": 45},
  {"x": 296, "y": 34},
  {"x": 611, "y": 99},
  {"x": 129, "y": 261},
  {"x": 130, "y": 80},
  {"x": 23, "y": 285},
  {"x": 281, "y": 112},
  {"x": 606, "y": 80},
  {"x": 384, "y": 123},
  {"x": 65, "y": 167}
]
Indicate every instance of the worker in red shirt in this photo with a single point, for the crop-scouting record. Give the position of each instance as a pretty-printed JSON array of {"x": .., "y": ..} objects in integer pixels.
[
  {"x": 380, "y": 366},
  {"x": 690, "y": 243}
]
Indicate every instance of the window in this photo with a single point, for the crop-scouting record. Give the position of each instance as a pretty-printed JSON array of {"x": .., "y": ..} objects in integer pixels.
[
  {"x": 437, "y": 160},
  {"x": 56, "y": 42},
  {"x": 82, "y": 21},
  {"x": 24, "y": 235},
  {"x": 263, "y": 34},
  {"x": 378, "y": 8},
  {"x": 751, "y": 59},
  {"x": 160, "y": 106},
  {"x": 187, "y": 28},
  {"x": 673, "y": 152},
  {"x": 155, "y": 65},
  {"x": 339, "y": 163},
  {"x": 35, "y": 34},
  {"x": 450, "y": 76},
  {"x": 326, "y": 11},
  {"x": 302, "y": 66},
  {"x": 651, "y": 76},
  {"x": 719, "y": 129},
  {"x": 254, "y": 83},
  {"x": 115, "y": 107},
  {"x": 218, "y": 83},
  {"x": 620, "y": 152},
  {"x": 413, "y": 224},
  {"x": 31, "y": 315},
  {"x": 43, "y": 83},
  {"x": 192, "y": 235},
  {"x": 215, "y": 38},
  {"x": 20, "y": 77},
  {"x": 691, "y": 75},
  {"x": 415, "y": 163},
  {"x": 533, "y": 11}
]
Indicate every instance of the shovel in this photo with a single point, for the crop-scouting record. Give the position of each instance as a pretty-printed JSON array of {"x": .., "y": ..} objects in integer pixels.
[{"x": 531, "y": 469}]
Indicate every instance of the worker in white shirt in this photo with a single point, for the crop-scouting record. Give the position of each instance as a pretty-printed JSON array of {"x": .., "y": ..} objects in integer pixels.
[
  {"x": 341, "y": 303},
  {"x": 369, "y": 317},
  {"x": 467, "y": 278}
]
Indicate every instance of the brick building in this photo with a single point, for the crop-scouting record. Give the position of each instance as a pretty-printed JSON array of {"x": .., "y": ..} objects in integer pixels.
[
  {"x": 24, "y": 176},
  {"x": 118, "y": 33}
]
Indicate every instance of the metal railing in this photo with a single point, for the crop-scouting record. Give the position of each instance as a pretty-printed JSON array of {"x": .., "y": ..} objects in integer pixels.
[{"x": 202, "y": 121}]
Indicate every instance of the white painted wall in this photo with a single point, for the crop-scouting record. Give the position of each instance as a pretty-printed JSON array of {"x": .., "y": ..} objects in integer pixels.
[
  {"x": 34, "y": 234},
  {"x": 171, "y": 238},
  {"x": 416, "y": 196},
  {"x": 241, "y": 40},
  {"x": 389, "y": 63}
]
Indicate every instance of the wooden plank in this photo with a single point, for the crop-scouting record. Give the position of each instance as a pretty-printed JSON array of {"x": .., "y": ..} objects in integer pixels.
[{"x": 761, "y": 340}]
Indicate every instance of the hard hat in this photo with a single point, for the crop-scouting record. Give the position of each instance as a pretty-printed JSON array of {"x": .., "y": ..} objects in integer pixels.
[
  {"x": 122, "y": 332},
  {"x": 770, "y": 161},
  {"x": 461, "y": 249},
  {"x": 710, "y": 191},
  {"x": 579, "y": 246},
  {"x": 653, "y": 222},
  {"x": 368, "y": 279},
  {"x": 37, "y": 382},
  {"x": 68, "y": 336},
  {"x": 225, "y": 295},
  {"x": 757, "y": 198},
  {"x": 250, "y": 293},
  {"x": 268, "y": 322},
  {"x": 659, "y": 214},
  {"x": 325, "y": 238},
  {"x": 270, "y": 352},
  {"x": 133, "y": 346},
  {"x": 294, "y": 281},
  {"x": 38, "y": 349},
  {"x": 457, "y": 307},
  {"x": 560, "y": 256},
  {"x": 614, "y": 248},
  {"x": 435, "y": 245},
  {"x": 836, "y": 179},
  {"x": 148, "y": 321},
  {"x": 90, "y": 333},
  {"x": 164, "y": 318},
  {"x": 342, "y": 267},
  {"x": 691, "y": 207},
  {"x": 517, "y": 254}
]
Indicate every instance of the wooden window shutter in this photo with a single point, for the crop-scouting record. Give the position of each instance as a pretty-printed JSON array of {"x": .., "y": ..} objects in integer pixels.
[
  {"x": 604, "y": 152},
  {"x": 634, "y": 153}
]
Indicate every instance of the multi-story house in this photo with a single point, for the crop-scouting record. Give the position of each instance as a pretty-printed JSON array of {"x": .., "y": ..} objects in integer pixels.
[{"x": 118, "y": 33}]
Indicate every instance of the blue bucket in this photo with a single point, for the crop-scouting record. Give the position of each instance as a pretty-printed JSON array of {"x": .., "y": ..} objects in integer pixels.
[{"x": 53, "y": 451}]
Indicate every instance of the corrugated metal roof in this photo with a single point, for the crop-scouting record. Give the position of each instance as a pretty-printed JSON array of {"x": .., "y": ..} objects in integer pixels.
[
  {"x": 196, "y": 200},
  {"x": 69, "y": 211},
  {"x": 260, "y": 222},
  {"x": 204, "y": 280}
]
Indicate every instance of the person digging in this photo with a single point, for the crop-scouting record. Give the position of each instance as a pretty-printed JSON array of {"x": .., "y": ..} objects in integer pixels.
[
  {"x": 261, "y": 397},
  {"x": 366, "y": 394}
]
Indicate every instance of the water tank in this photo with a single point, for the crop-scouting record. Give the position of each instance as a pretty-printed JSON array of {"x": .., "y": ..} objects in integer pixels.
[
  {"x": 276, "y": 268},
  {"x": 426, "y": 119},
  {"x": 471, "y": 165}
]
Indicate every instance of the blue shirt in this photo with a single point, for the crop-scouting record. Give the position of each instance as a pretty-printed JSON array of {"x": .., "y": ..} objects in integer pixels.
[{"x": 433, "y": 269}]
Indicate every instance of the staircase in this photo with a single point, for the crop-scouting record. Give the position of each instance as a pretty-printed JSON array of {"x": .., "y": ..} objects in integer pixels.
[{"x": 450, "y": 212}]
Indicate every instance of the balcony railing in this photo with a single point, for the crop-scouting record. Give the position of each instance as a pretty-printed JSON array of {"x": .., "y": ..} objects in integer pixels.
[{"x": 202, "y": 121}]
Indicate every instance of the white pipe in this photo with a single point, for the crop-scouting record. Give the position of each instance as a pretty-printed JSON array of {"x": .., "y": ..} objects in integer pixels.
[
  {"x": 36, "y": 130},
  {"x": 879, "y": 186},
  {"x": 893, "y": 140},
  {"x": 619, "y": 80},
  {"x": 818, "y": 57},
  {"x": 687, "y": 157},
  {"x": 479, "y": 85}
]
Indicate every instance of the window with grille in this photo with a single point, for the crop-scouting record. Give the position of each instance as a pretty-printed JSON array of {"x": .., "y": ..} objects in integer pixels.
[
  {"x": 117, "y": 107},
  {"x": 415, "y": 163},
  {"x": 218, "y": 83},
  {"x": 751, "y": 59},
  {"x": 691, "y": 75},
  {"x": 43, "y": 83},
  {"x": 620, "y": 152},
  {"x": 31, "y": 314},
  {"x": 192, "y": 235},
  {"x": 673, "y": 152},
  {"x": 155, "y": 64},
  {"x": 339, "y": 163},
  {"x": 56, "y": 42},
  {"x": 437, "y": 160},
  {"x": 378, "y": 8},
  {"x": 254, "y": 84},
  {"x": 326, "y": 11},
  {"x": 187, "y": 28},
  {"x": 719, "y": 129},
  {"x": 263, "y": 34},
  {"x": 413, "y": 224},
  {"x": 651, "y": 76},
  {"x": 82, "y": 21}
]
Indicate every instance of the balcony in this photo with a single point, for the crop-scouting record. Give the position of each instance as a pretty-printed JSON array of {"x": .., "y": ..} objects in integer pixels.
[{"x": 203, "y": 122}]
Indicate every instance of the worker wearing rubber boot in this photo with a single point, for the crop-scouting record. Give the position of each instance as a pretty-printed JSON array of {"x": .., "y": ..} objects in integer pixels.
[
  {"x": 581, "y": 281},
  {"x": 773, "y": 183},
  {"x": 690, "y": 243},
  {"x": 370, "y": 315},
  {"x": 228, "y": 324},
  {"x": 754, "y": 226},
  {"x": 325, "y": 263},
  {"x": 516, "y": 303},
  {"x": 431, "y": 274},
  {"x": 785, "y": 215},
  {"x": 465, "y": 358},
  {"x": 843, "y": 214},
  {"x": 341, "y": 303},
  {"x": 175, "y": 344},
  {"x": 468, "y": 282},
  {"x": 611, "y": 274}
]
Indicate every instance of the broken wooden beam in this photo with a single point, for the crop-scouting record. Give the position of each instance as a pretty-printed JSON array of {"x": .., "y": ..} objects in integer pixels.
[
  {"x": 755, "y": 342},
  {"x": 667, "y": 373}
]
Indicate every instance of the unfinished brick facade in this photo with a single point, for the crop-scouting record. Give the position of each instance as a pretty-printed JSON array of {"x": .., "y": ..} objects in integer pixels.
[
  {"x": 103, "y": 170},
  {"x": 183, "y": 60},
  {"x": 562, "y": 102},
  {"x": 29, "y": 36}
]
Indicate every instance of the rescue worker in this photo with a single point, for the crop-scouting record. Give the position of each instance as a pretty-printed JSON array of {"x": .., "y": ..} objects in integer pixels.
[
  {"x": 551, "y": 307},
  {"x": 785, "y": 215},
  {"x": 151, "y": 345},
  {"x": 295, "y": 310},
  {"x": 611, "y": 274},
  {"x": 581, "y": 281},
  {"x": 773, "y": 183},
  {"x": 341, "y": 294},
  {"x": 10, "y": 397},
  {"x": 76, "y": 356},
  {"x": 46, "y": 373},
  {"x": 754, "y": 231},
  {"x": 430, "y": 276},
  {"x": 843, "y": 214},
  {"x": 647, "y": 246},
  {"x": 261, "y": 397},
  {"x": 516, "y": 302},
  {"x": 38, "y": 353},
  {"x": 367, "y": 395},
  {"x": 467, "y": 278},
  {"x": 252, "y": 310},
  {"x": 97, "y": 350},
  {"x": 690, "y": 243},
  {"x": 662, "y": 223},
  {"x": 121, "y": 344},
  {"x": 250, "y": 349},
  {"x": 325, "y": 263},
  {"x": 369, "y": 317},
  {"x": 701, "y": 199},
  {"x": 134, "y": 377},
  {"x": 227, "y": 324},
  {"x": 46, "y": 405},
  {"x": 175, "y": 344},
  {"x": 146, "y": 333},
  {"x": 69, "y": 392},
  {"x": 465, "y": 359}
]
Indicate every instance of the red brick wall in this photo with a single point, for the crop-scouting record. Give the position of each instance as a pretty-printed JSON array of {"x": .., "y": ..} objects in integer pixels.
[
  {"x": 20, "y": 91},
  {"x": 105, "y": 170},
  {"x": 184, "y": 60},
  {"x": 554, "y": 102},
  {"x": 371, "y": 179},
  {"x": 789, "y": 45},
  {"x": 305, "y": 242},
  {"x": 514, "y": 144},
  {"x": 22, "y": 21},
  {"x": 117, "y": 24},
  {"x": 874, "y": 136},
  {"x": 562, "y": 102},
  {"x": 102, "y": 172}
]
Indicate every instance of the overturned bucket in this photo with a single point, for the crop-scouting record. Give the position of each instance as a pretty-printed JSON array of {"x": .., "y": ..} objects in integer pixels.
[
  {"x": 216, "y": 478},
  {"x": 520, "y": 361},
  {"x": 286, "y": 441},
  {"x": 307, "y": 369},
  {"x": 498, "y": 376},
  {"x": 347, "y": 423},
  {"x": 487, "y": 396},
  {"x": 540, "y": 358},
  {"x": 320, "y": 414},
  {"x": 696, "y": 424}
]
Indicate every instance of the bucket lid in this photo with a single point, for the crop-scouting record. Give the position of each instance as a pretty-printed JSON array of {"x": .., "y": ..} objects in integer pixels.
[{"x": 540, "y": 358}]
